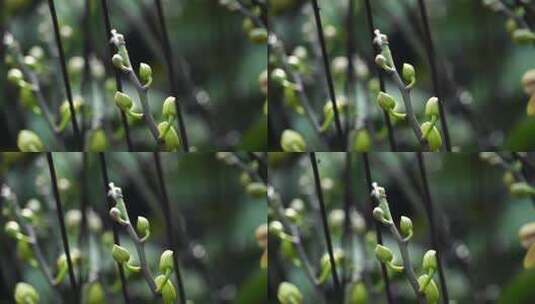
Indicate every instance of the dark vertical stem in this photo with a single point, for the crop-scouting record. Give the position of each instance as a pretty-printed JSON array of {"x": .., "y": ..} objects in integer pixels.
[
  {"x": 428, "y": 202},
  {"x": 371, "y": 26},
  {"x": 59, "y": 212},
  {"x": 328, "y": 74},
  {"x": 169, "y": 226},
  {"x": 106, "y": 181},
  {"x": 171, "y": 74},
  {"x": 350, "y": 46},
  {"x": 118, "y": 83},
  {"x": 348, "y": 197},
  {"x": 82, "y": 237},
  {"x": 65, "y": 74},
  {"x": 378, "y": 233},
  {"x": 431, "y": 55},
  {"x": 319, "y": 193}
]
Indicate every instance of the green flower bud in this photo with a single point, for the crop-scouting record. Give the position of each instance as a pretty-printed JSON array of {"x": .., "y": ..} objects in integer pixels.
[
  {"x": 30, "y": 61},
  {"x": 166, "y": 261},
  {"x": 431, "y": 108},
  {"x": 288, "y": 293},
  {"x": 291, "y": 214},
  {"x": 358, "y": 294},
  {"x": 409, "y": 74},
  {"x": 118, "y": 61},
  {"x": 276, "y": 228},
  {"x": 95, "y": 294},
  {"x": 28, "y": 141},
  {"x": 145, "y": 74},
  {"x": 362, "y": 141},
  {"x": 171, "y": 139},
  {"x": 379, "y": 214},
  {"x": 383, "y": 254},
  {"x": 26, "y": 294},
  {"x": 294, "y": 62},
  {"x": 120, "y": 254},
  {"x": 523, "y": 36},
  {"x": 326, "y": 266},
  {"x": 123, "y": 101},
  {"x": 278, "y": 75},
  {"x": 257, "y": 190},
  {"x": 258, "y": 35},
  {"x": 98, "y": 142},
  {"x": 28, "y": 214},
  {"x": 433, "y": 136},
  {"x": 405, "y": 226},
  {"x": 292, "y": 141},
  {"x": 431, "y": 290},
  {"x": 14, "y": 76},
  {"x": 12, "y": 229},
  {"x": 166, "y": 288},
  {"x": 169, "y": 107},
  {"x": 521, "y": 189},
  {"x": 429, "y": 262},
  {"x": 73, "y": 218},
  {"x": 381, "y": 61},
  {"x": 143, "y": 226},
  {"x": 115, "y": 214},
  {"x": 386, "y": 101}
]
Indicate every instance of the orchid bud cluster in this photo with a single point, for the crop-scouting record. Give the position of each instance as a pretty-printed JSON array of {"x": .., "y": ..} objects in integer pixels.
[
  {"x": 161, "y": 284},
  {"x": 423, "y": 285},
  {"x": 427, "y": 133}
]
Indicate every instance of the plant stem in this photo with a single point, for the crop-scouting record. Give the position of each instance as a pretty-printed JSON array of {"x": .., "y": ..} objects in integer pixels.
[
  {"x": 170, "y": 230},
  {"x": 319, "y": 193},
  {"x": 171, "y": 75},
  {"x": 65, "y": 74},
  {"x": 350, "y": 72},
  {"x": 59, "y": 212},
  {"x": 326, "y": 66},
  {"x": 379, "y": 235},
  {"x": 371, "y": 27},
  {"x": 116, "y": 194},
  {"x": 118, "y": 83},
  {"x": 116, "y": 240},
  {"x": 428, "y": 202},
  {"x": 431, "y": 55}
]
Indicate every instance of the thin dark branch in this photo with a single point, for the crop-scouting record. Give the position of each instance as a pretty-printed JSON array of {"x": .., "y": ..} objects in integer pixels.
[
  {"x": 59, "y": 212},
  {"x": 169, "y": 226},
  {"x": 326, "y": 66},
  {"x": 106, "y": 182},
  {"x": 431, "y": 55},
  {"x": 428, "y": 203},
  {"x": 65, "y": 74},
  {"x": 118, "y": 83},
  {"x": 371, "y": 26},
  {"x": 350, "y": 46},
  {"x": 171, "y": 74},
  {"x": 319, "y": 193},
  {"x": 378, "y": 233}
]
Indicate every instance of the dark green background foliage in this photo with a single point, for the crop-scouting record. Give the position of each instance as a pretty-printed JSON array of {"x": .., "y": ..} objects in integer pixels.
[
  {"x": 480, "y": 69},
  {"x": 216, "y": 65},
  {"x": 478, "y": 222},
  {"x": 207, "y": 200}
]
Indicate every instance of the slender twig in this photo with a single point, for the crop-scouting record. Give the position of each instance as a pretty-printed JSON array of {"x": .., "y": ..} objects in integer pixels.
[
  {"x": 83, "y": 235},
  {"x": 319, "y": 193},
  {"x": 170, "y": 230},
  {"x": 59, "y": 212},
  {"x": 116, "y": 240},
  {"x": 430, "y": 50},
  {"x": 327, "y": 67},
  {"x": 65, "y": 74},
  {"x": 117, "y": 195},
  {"x": 118, "y": 83},
  {"x": 171, "y": 74},
  {"x": 350, "y": 72},
  {"x": 379, "y": 195},
  {"x": 371, "y": 27},
  {"x": 347, "y": 216},
  {"x": 379, "y": 235},
  {"x": 428, "y": 202}
]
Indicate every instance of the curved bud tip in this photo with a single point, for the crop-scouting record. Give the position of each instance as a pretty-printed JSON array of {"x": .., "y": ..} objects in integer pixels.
[
  {"x": 278, "y": 75},
  {"x": 429, "y": 262},
  {"x": 28, "y": 141},
  {"x": 145, "y": 74},
  {"x": 120, "y": 254},
  {"x": 383, "y": 254},
  {"x": 431, "y": 108},
  {"x": 166, "y": 261},
  {"x": 123, "y": 101},
  {"x": 378, "y": 214},
  {"x": 288, "y": 293},
  {"x": 430, "y": 290},
  {"x": 292, "y": 141},
  {"x": 26, "y": 293},
  {"x": 276, "y": 228},
  {"x": 14, "y": 76},
  {"x": 166, "y": 289},
  {"x": 12, "y": 228},
  {"x": 258, "y": 35},
  {"x": 143, "y": 226},
  {"x": 431, "y": 135},
  {"x": 405, "y": 226},
  {"x": 409, "y": 73},
  {"x": 386, "y": 101},
  {"x": 256, "y": 190},
  {"x": 118, "y": 61}
]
